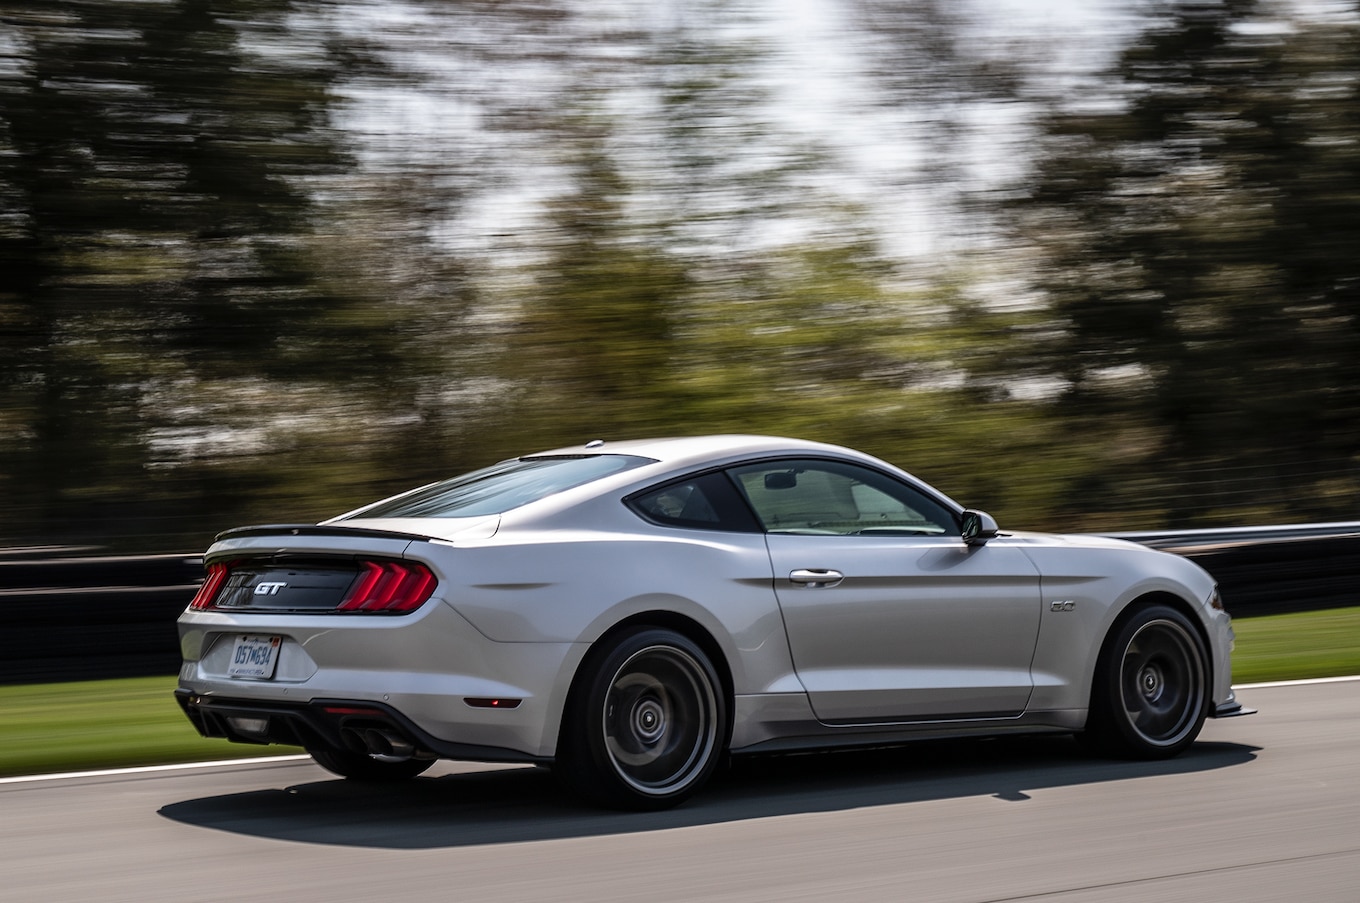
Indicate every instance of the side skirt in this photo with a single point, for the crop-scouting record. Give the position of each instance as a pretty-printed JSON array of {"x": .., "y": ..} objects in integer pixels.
[{"x": 783, "y": 722}]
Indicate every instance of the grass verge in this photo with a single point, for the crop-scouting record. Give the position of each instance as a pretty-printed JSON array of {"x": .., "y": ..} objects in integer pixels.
[
  {"x": 1297, "y": 646},
  {"x": 48, "y": 728},
  {"x": 103, "y": 724}
]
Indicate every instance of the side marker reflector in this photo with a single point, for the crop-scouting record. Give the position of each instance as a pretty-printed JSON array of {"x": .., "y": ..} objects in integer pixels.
[{"x": 479, "y": 702}]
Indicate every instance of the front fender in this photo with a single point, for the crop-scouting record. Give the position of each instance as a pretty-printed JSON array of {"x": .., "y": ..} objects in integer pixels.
[{"x": 1086, "y": 590}]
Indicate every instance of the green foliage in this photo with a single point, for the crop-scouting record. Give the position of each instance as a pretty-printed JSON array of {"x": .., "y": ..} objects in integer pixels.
[
  {"x": 593, "y": 340},
  {"x": 163, "y": 292},
  {"x": 222, "y": 301},
  {"x": 1198, "y": 236}
]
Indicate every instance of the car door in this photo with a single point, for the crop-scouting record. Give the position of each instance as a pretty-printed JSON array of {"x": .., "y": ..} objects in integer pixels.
[{"x": 890, "y": 616}]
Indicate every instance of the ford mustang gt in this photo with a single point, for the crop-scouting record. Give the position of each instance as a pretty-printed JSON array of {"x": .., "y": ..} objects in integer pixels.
[{"x": 630, "y": 613}]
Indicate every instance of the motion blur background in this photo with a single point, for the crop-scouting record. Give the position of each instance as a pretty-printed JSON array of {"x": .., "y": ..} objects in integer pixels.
[{"x": 1087, "y": 265}]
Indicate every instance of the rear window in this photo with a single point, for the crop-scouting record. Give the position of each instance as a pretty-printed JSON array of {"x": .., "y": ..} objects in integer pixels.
[
  {"x": 706, "y": 502},
  {"x": 501, "y": 487}
]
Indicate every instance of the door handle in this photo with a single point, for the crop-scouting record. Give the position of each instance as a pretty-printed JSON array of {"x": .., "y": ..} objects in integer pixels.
[{"x": 815, "y": 578}]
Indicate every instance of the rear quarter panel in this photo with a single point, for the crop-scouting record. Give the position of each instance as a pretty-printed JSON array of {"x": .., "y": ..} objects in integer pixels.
[{"x": 574, "y": 586}]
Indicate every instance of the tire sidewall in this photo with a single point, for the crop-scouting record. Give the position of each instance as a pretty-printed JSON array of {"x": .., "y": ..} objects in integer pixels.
[
  {"x": 585, "y": 761},
  {"x": 1108, "y": 726}
]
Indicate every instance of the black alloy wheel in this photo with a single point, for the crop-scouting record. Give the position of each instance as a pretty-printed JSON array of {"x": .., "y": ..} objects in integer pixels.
[
  {"x": 1151, "y": 694},
  {"x": 648, "y": 725}
]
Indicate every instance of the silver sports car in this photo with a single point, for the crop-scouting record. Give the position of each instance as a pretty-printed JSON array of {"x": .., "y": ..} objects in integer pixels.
[{"x": 629, "y": 613}]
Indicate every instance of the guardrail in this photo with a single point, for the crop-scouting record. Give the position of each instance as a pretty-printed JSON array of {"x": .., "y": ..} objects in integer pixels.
[
  {"x": 1272, "y": 570},
  {"x": 88, "y": 618}
]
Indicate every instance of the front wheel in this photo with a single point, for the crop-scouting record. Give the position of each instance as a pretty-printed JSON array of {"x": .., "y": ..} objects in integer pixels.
[
  {"x": 1150, "y": 693},
  {"x": 647, "y": 725}
]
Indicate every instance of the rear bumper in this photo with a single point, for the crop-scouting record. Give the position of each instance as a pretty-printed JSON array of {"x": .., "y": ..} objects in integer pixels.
[
  {"x": 428, "y": 670},
  {"x": 337, "y": 724}
]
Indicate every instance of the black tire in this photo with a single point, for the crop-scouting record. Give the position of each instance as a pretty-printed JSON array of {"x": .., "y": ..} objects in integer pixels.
[
  {"x": 1150, "y": 692},
  {"x": 360, "y": 767},
  {"x": 647, "y": 725}
]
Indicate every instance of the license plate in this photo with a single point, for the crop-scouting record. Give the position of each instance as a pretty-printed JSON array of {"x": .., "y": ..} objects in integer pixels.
[{"x": 254, "y": 657}]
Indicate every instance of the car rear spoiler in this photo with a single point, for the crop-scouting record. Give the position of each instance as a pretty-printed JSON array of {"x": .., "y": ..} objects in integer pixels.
[{"x": 316, "y": 530}]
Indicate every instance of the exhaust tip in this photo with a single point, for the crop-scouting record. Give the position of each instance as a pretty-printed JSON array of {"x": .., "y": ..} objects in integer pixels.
[
  {"x": 249, "y": 726},
  {"x": 353, "y": 740},
  {"x": 387, "y": 746}
]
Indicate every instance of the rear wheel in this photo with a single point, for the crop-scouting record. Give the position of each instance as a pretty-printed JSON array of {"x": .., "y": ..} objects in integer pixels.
[
  {"x": 647, "y": 725},
  {"x": 1150, "y": 694},
  {"x": 361, "y": 767}
]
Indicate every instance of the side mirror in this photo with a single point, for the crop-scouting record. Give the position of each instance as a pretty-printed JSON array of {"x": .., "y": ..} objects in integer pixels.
[{"x": 978, "y": 527}]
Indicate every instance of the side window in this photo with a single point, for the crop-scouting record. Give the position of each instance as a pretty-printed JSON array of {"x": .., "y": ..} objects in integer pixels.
[
  {"x": 833, "y": 497},
  {"x": 705, "y": 502}
]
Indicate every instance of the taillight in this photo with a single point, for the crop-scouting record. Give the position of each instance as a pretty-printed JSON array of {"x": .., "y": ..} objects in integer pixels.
[
  {"x": 315, "y": 586},
  {"x": 390, "y": 586},
  {"x": 217, "y": 575}
]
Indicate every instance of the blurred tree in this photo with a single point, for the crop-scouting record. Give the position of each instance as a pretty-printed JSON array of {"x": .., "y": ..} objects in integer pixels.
[
  {"x": 158, "y": 166},
  {"x": 704, "y": 276},
  {"x": 1199, "y": 231},
  {"x": 954, "y": 99},
  {"x": 592, "y": 349},
  {"x": 651, "y": 253},
  {"x": 247, "y": 271}
]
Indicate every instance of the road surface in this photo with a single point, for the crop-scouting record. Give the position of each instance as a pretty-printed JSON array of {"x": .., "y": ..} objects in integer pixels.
[{"x": 1261, "y": 808}]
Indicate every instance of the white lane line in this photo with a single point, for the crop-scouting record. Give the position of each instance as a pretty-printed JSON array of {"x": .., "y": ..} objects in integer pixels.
[
  {"x": 152, "y": 769},
  {"x": 1297, "y": 683},
  {"x": 274, "y": 760}
]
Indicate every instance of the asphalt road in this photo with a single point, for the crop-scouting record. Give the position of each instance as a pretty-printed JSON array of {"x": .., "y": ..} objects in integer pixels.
[{"x": 1262, "y": 808}]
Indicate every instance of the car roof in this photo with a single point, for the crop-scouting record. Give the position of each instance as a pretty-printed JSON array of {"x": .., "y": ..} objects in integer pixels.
[
  {"x": 667, "y": 457},
  {"x": 676, "y": 455},
  {"x": 680, "y": 451}
]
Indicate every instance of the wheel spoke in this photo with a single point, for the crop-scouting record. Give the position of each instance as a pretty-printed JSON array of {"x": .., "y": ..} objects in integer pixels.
[
  {"x": 659, "y": 720},
  {"x": 1161, "y": 682}
]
